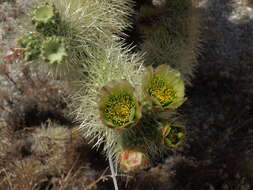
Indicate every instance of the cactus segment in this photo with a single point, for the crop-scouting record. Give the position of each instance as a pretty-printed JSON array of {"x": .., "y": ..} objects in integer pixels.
[
  {"x": 119, "y": 108},
  {"x": 164, "y": 87},
  {"x": 54, "y": 50}
]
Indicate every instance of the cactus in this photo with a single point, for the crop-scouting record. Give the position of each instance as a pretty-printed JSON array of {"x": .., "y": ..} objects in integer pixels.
[
  {"x": 111, "y": 63},
  {"x": 141, "y": 126},
  {"x": 83, "y": 26},
  {"x": 161, "y": 87},
  {"x": 123, "y": 106}
]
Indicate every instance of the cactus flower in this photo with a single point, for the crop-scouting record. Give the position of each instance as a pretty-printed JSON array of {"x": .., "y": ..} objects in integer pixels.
[
  {"x": 53, "y": 50},
  {"x": 30, "y": 44},
  {"x": 132, "y": 160},
  {"x": 119, "y": 108},
  {"x": 164, "y": 87},
  {"x": 172, "y": 135},
  {"x": 46, "y": 19},
  {"x": 43, "y": 13}
]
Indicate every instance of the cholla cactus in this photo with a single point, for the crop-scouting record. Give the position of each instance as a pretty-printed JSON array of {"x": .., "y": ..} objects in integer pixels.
[
  {"x": 115, "y": 86},
  {"x": 164, "y": 87},
  {"x": 54, "y": 50},
  {"x": 111, "y": 63},
  {"x": 118, "y": 106}
]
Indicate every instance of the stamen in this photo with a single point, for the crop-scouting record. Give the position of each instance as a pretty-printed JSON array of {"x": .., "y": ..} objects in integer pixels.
[
  {"x": 118, "y": 109},
  {"x": 162, "y": 91}
]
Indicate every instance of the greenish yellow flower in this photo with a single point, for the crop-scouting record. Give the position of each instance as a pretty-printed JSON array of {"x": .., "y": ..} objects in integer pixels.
[
  {"x": 53, "y": 50},
  {"x": 30, "y": 44},
  {"x": 43, "y": 13},
  {"x": 164, "y": 87},
  {"x": 46, "y": 19},
  {"x": 119, "y": 108},
  {"x": 172, "y": 135},
  {"x": 131, "y": 160}
]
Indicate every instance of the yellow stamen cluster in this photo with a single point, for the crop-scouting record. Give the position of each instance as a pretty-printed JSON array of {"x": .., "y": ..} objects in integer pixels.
[
  {"x": 162, "y": 91},
  {"x": 118, "y": 109}
]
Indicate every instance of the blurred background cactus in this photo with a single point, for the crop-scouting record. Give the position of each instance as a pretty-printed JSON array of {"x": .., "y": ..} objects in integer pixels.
[
  {"x": 31, "y": 44},
  {"x": 81, "y": 26}
]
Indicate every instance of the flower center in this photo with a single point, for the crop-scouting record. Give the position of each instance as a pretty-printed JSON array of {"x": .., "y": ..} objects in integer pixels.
[
  {"x": 162, "y": 91},
  {"x": 118, "y": 109}
]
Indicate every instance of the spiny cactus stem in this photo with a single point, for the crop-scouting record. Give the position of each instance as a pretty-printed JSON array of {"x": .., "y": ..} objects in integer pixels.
[{"x": 113, "y": 173}]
